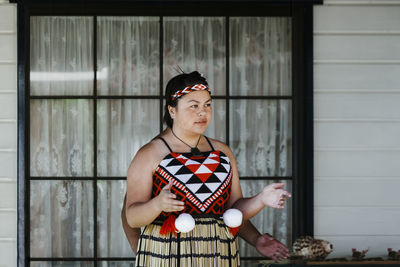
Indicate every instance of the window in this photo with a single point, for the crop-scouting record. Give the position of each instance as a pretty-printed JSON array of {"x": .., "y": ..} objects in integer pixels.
[{"x": 94, "y": 86}]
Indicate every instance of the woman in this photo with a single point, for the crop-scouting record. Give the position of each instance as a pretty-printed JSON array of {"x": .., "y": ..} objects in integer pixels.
[{"x": 182, "y": 171}]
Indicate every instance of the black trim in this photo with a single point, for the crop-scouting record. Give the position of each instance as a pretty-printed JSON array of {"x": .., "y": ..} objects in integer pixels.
[
  {"x": 161, "y": 93},
  {"x": 177, "y": 2},
  {"x": 62, "y": 259},
  {"x": 245, "y": 97},
  {"x": 95, "y": 97},
  {"x": 302, "y": 84},
  {"x": 165, "y": 142},
  {"x": 164, "y": 8},
  {"x": 308, "y": 182},
  {"x": 23, "y": 139},
  {"x": 209, "y": 143},
  {"x": 94, "y": 103},
  {"x": 227, "y": 93}
]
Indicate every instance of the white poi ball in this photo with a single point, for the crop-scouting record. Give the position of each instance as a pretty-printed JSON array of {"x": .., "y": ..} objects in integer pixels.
[
  {"x": 233, "y": 218},
  {"x": 184, "y": 223}
]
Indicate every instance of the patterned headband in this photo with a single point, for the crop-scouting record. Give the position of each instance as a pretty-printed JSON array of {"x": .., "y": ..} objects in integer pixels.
[{"x": 186, "y": 90}]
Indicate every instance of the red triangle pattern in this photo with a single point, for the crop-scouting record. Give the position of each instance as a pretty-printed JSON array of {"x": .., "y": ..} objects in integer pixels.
[
  {"x": 203, "y": 176},
  {"x": 193, "y": 167},
  {"x": 180, "y": 159},
  {"x": 212, "y": 166},
  {"x": 196, "y": 166}
]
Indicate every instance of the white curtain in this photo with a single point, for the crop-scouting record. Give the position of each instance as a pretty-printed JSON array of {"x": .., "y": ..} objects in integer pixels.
[
  {"x": 123, "y": 126},
  {"x": 112, "y": 240},
  {"x": 260, "y": 59},
  {"x": 196, "y": 43},
  {"x": 61, "y": 219},
  {"x": 128, "y": 51},
  {"x": 61, "y": 142},
  {"x": 260, "y": 129},
  {"x": 61, "y": 56},
  {"x": 62, "y": 134}
]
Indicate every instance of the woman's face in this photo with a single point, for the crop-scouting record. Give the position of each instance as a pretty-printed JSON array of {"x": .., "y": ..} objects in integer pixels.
[{"x": 193, "y": 112}]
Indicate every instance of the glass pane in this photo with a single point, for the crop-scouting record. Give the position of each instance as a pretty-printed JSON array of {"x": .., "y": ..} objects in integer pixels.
[
  {"x": 111, "y": 241},
  {"x": 117, "y": 264},
  {"x": 196, "y": 43},
  {"x": 261, "y": 136},
  {"x": 217, "y": 127},
  {"x": 61, "y": 218},
  {"x": 62, "y": 264},
  {"x": 61, "y": 137},
  {"x": 260, "y": 56},
  {"x": 128, "y": 55},
  {"x": 61, "y": 55},
  {"x": 276, "y": 222},
  {"x": 123, "y": 126}
]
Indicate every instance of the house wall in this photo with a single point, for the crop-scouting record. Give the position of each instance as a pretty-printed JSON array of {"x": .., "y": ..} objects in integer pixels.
[
  {"x": 357, "y": 125},
  {"x": 8, "y": 134}
]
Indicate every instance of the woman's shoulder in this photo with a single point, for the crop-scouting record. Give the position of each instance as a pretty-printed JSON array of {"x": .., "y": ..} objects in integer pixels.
[
  {"x": 153, "y": 149},
  {"x": 150, "y": 154}
]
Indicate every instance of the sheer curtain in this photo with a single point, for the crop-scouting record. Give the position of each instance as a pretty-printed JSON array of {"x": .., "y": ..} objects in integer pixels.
[
  {"x": 61, "y": 138},
  {"x": 128, "y": 60},
  {"x": 128, "y": 48},
  {"x": 260, "y": 60},
  {"x": 260, "y": 129},
  {"x": 62, "y": 130},
  {"x": 61, "y": 55},
  {"x": 199, "y": 44},
  {"x": 128, "y": 53},
  {"x": 196, "y": 43}
]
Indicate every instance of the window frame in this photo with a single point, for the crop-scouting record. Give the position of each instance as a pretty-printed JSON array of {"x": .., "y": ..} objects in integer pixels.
[{"x": 302, "y": 91}]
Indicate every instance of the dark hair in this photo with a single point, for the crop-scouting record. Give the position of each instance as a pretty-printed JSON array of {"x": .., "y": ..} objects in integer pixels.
[{"x": 179, "y": 82}]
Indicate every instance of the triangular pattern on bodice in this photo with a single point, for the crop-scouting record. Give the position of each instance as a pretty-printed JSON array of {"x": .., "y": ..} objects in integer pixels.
[{"x": 201, "y": 180}]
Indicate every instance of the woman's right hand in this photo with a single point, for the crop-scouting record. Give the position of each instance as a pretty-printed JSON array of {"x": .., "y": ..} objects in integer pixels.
[
  {"x": 274, "y": 196},
  {"x": 166, "y": 200}
]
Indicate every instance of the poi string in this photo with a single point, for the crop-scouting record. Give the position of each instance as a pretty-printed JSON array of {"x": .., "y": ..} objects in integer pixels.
[{"x": 194, "y": 150}]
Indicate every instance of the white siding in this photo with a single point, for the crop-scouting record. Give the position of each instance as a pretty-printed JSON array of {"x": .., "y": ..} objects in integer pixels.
[
  {"x": 357, "y": 125},
  {"x": 8, "y": 130}
]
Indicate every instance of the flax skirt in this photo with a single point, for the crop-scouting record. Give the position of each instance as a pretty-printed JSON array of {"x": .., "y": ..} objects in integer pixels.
[{"x": 209, "y": 244}]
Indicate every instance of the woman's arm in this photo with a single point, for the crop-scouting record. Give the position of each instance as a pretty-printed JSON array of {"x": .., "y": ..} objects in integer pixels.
[
  {"x": 141, "y": 209},
  {"x": 265, "y": 244},
  {"x": 132, "y": 234},
  {"x": 272, "y": 195}
]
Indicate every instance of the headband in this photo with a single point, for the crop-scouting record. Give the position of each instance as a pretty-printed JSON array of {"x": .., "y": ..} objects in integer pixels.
[{"x": 186, "y": 90}]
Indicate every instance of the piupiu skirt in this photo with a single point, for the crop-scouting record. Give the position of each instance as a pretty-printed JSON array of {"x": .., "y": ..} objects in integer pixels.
[{"x": 210, "y": 243}]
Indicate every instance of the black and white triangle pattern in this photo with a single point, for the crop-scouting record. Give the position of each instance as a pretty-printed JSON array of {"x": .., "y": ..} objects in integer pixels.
[{"x": 202, "y": 176}]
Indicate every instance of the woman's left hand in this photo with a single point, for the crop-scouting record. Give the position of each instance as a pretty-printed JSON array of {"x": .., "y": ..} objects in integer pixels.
[
  {"x": 268, "y": 246},
  {"x": 274, "y": 196}
]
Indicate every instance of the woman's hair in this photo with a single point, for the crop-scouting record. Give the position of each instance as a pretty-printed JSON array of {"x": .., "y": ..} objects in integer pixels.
[{"x": 177, "y": 83}]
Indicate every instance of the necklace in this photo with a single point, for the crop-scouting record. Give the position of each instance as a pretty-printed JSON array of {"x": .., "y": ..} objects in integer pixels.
[{"x": 194, "y": 150}]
